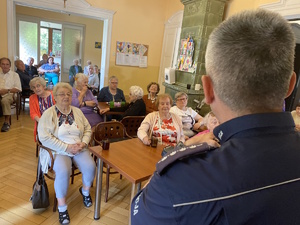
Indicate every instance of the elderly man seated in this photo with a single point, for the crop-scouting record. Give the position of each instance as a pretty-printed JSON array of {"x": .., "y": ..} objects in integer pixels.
[
  {"x": 24, "y": 77},
  {"x": 9, "y": 84}
]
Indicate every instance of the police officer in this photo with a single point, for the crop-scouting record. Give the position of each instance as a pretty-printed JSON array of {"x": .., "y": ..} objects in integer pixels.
[{"x": 254, "y": 177}]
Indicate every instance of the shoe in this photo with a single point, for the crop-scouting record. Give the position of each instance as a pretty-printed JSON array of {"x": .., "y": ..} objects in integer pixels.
[
  {"x": 87, "y": 200},
  {"x": 64, "y": 217},
  {"x": 5, "y": 127}
]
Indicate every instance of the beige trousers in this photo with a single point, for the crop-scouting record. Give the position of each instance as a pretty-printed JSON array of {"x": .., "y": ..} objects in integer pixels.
[{"x": 6, "y": 102}]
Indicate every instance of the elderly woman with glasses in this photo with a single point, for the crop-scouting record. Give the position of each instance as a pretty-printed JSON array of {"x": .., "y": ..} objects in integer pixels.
[
  {"x": 41, "y": 100},
  {"x": 191, "y": 120},
  {"x": 111, "y": 92},
  {"x": 65, "y": 130}
]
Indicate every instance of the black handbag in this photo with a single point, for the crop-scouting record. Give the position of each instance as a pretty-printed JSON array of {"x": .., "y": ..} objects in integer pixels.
[{"x": 40, "y": 193}]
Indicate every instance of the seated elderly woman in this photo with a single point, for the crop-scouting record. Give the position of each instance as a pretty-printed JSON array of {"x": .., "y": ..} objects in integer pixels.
[
  {"x": 136, "y": 106},
  {"x": 65, "y": 130},
  {"x": 51, "y": 70},
  {"x": 163, "y": 124},
  {"x": 150, "y": 98},
  {"x": 191, "y": 120},
  {"x": 111, "y": 92},
  {"x": 41, "y": 100},
  {"x": 84, "y": 99}
]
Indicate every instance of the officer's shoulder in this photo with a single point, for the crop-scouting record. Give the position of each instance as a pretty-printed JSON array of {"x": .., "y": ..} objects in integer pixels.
[{"x": 181, "y": 153}]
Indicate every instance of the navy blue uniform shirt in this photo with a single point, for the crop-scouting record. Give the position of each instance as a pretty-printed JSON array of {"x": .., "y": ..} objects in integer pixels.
[{"x": 253, "y": 178}]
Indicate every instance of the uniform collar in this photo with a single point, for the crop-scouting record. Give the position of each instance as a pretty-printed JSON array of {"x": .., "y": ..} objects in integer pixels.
[{"x": 280, "y": 120}]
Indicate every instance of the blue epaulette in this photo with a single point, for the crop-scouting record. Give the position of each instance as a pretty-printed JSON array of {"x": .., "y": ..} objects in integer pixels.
[{"x": 180, "y": 153}]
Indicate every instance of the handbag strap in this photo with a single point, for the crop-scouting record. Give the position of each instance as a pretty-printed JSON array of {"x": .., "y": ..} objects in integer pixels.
[{"x": 39, "y": 172}]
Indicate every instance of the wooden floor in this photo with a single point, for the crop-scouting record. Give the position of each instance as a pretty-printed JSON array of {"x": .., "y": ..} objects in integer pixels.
[{"x": 17, "y": 175}]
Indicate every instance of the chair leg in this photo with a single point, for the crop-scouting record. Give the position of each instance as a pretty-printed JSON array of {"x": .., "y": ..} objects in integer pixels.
[
  {"x": 37, "y": 150},
  {"x": 55, "y": 203},
  {"x": 72, "y": 175},
  {"x": 107, "y": 183}
]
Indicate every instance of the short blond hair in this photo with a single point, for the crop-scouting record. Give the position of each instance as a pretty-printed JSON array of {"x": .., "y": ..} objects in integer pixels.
[
  {"x": 162, "y": 96},
  {"x": 79, "y": 77},
  {"x": 62, "y": 85}
]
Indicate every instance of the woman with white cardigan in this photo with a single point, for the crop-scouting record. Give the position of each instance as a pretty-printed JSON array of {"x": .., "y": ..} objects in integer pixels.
[
  {"x": 163, "y": 125},
  {"x": 65, "y": 130}
]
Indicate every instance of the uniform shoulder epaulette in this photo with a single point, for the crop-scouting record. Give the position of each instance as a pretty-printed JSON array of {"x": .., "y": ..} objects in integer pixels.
[{"x": 180, "y": 153}]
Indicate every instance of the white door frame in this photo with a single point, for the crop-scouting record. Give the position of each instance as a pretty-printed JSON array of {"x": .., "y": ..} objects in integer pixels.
[
  {"x": 76, "y": 7},
  {"x": 289, "y": 9},
  {"x": 174, "y": 23}
]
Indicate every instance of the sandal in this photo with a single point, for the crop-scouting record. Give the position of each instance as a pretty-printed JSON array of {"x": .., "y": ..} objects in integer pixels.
[
  {"x": 87, "y": 200},
  {"x": 64, "y": 217}
]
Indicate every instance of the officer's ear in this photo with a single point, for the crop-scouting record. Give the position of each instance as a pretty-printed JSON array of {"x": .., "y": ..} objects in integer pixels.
[
  {"x": 292, "y": 84},
  {"x": 208, "y": 89}
]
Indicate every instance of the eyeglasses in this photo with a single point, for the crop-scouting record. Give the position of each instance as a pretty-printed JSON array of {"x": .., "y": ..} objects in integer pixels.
[
  {"x": 181, "y": 99},
  {"x": 64, "y": 94}
]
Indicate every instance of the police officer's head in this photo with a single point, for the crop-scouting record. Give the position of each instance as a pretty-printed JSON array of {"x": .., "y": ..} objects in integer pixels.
[{"x": 249, "y": 62}]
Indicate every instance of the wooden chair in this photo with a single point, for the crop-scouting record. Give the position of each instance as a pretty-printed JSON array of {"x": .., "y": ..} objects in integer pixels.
[
  {"x": 25, "y": 94},
  {"x": 113, "y": 131},
  {"x": 16, "y": 105},
  {"x": 51, "y": 173},
  {"x": 132, "y": 124}
]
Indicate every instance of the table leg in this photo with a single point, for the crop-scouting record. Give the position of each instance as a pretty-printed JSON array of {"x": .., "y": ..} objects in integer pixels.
[
  {"x": 139, "y": 187},
  {"x": 98, "y": 189},
  {"x": 132, "y": 195},
  {"x": 132, "y": 191}
]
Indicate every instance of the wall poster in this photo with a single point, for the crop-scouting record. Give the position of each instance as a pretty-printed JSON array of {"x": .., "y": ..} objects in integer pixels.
[
  {"x": 185, "y": 60},
  {"x": 131, "y": 54}
]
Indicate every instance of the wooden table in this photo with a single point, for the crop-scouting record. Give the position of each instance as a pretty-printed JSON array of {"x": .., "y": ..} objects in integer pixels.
[
  {"x": 104, "y": 105},
  {"x": 131, "y": 158}
]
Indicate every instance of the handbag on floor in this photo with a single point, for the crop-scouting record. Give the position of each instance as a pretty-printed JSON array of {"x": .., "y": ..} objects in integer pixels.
[{"x": 40, "y": 193}]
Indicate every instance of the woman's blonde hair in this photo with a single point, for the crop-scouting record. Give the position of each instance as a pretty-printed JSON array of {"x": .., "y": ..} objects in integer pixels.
[
  {"x": 62, "y": 85},
  {"x": 162, "y": 96},
  {"x": 79, "y": 78}
]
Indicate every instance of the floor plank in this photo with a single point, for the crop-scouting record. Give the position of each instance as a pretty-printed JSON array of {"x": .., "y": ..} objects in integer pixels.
[{"x": 17, "y": 175}]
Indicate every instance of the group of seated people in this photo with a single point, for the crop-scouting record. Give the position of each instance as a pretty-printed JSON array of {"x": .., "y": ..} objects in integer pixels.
[
  {"x": 171, "y": 125},
  {"x": 65, "y": 116},
  {"x": 46, "y": 67}
]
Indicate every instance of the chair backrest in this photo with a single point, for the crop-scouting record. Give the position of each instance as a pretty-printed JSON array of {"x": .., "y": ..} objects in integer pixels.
[
  {"x": 112, "y": 130},
  {"x": 132, "y": 124}
]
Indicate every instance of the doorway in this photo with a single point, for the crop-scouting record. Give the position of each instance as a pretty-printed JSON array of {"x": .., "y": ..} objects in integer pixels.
[
  {"x": 36, "y": 36},
  {"x": 74, "y": 7}
]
